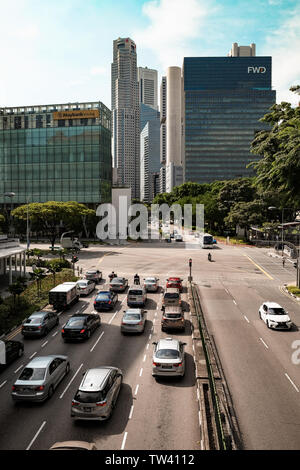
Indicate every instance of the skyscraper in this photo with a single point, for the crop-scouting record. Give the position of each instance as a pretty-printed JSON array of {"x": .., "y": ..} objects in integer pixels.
[
  {"x": 224, "y": 98},
  {"x": 163, "y": 134},
  {"x": 125, "y": 114},
  {"x": 150, "y": 152},
  {"x": 147, "y": 79}
]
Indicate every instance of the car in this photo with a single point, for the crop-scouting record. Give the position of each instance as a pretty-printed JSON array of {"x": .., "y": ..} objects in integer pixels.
[
  {"x": 133, "y": 321},
  {"x": 178, "y": 238},
  {"x": 105, "y": 300},
  {"x": 93, "y": 275},
  {"x": 118, "y": 284},
  {"x": 171, "y": 297},
  {"x": 85, "y": 286},
  {"x": 275, "y": 316},
  {"x": 97, "y": 394},
  {"x": 40, "y": 377},
  {"x": 173, "y": 318},
  {"x": 151, "y": 284},
  {"x": 174, "y": 282},
  {"x": 80, "y": 326},
  {"x": 74, "y": 445},
  {"x": 9, "y": 351},
  {"x": 137, "y": 296},
  {"x": 39, "y": 323},
  {"x": 168, "y": 358}
]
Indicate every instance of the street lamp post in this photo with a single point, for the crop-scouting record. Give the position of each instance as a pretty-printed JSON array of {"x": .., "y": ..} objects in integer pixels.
[
  {"x": 282, "y": 219},
  {"x": 10, "y": 195}
]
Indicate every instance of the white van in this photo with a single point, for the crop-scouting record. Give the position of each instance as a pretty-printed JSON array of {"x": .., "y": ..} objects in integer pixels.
[{"x": 136, "y": 296}]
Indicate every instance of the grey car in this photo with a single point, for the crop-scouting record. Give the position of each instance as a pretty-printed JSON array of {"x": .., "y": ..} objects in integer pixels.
[
  {"x": 97, "y": 394},
  {"x": 118, "y": 284},
  {"x": 39, "y": 323},
  {"x": 133, "y": 321},
  {"x": 151, "y": 284},
  {"x": 40, "y": 377},
  {"x": 168, "y": 358}
]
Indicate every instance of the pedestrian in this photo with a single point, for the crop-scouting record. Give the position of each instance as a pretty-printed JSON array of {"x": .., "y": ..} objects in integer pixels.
[{"x": 283, "y": 262}]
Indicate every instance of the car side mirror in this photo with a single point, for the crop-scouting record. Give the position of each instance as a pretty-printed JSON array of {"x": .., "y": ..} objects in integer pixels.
[
  {"x": 183, "y": 344},
  {"x": 155, "y": 343}
]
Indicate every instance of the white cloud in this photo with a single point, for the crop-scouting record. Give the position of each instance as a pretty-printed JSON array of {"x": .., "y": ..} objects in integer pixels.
[
  {"x": 284, "y": 47},
  {"x": 173, "y": 25}
]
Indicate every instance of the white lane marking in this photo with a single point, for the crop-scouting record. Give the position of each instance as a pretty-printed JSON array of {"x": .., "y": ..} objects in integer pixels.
[
  {"x": 154, "y": 320},
  {"x": 36, "y": 435},
  {"x": 3, "y": 383},
  {"x": 147, "y": 347},
  {"x": 19, "y": 368},
  {"x": 131, "y": 411},
  {"x": 71, "y": 381},
  {"x": 141, "y": 372},
  {"x": 246, "y": 319},
  {"x": 136, "y": 389},
  {"x": 199, "y": 418},
  {"x": 226, "y": 290},
  {"x": 234, "y": 301},
  {"x": 124, "y": 440},
  {"x": 150, "y": 336},
  {"x": 112, "y": 318},
  {"x": 144, "y": 359},
  {"x": 44, "y": 344},
  {"x": 91, "y": 350},
  {"x": 295, "y": 387},
  {"x": 30, "y": 357},
  {"x": 264, "y": 343},
  {"x": 54, "y": 334}
]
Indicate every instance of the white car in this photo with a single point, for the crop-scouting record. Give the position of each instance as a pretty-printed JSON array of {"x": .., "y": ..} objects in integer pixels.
[
  {"x": 274, "y": 316},
  {"x": 168, "y": 358},
  {"x": 151, "y": 284},
  {"x": 178, "y": 238},
  {"x": 85, "y": 286}
]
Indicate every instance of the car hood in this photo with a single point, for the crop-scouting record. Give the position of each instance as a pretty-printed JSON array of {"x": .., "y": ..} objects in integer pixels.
[{"x": 278, "y": 318}]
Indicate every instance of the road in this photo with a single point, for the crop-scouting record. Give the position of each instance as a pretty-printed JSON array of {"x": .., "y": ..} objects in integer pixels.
[{"x": 150, "y": 414}]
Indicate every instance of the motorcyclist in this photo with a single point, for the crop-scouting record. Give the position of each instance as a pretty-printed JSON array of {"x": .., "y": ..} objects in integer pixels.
[
  {"x": 136, "y": 279},
  {"x": 112, "y": 275},
  {"x": 209, "y": 257}
]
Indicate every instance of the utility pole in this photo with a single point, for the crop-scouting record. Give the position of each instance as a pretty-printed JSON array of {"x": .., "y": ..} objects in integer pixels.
[{"x": 190, "y": 278}]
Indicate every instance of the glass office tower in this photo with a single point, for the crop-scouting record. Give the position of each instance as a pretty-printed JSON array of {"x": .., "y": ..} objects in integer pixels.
[
  {"x": 56, "y": 153},
  {"x": 224, "y": 98}
]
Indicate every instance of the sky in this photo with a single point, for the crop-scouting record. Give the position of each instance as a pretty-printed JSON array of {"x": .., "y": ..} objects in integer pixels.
[{"x": 60, "y": 51}]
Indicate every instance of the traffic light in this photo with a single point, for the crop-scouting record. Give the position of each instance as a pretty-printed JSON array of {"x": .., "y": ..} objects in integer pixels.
[{"x": 74, "y": 259}]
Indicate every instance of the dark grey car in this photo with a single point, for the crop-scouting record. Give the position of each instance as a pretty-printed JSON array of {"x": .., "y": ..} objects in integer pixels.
[{"x": 39, "y": 323}]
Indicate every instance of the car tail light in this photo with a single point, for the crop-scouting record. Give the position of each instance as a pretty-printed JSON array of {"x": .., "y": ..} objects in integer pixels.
[
  {"x": 75, "y": 403},
  {"x": 13, "y": 388},
  {"x": 109, "y": 302},
  {"x": 82, "y": 331},
  {"x": 177, "y": 365},
  {"x": 62, "y": 330},
  {"x": 141, "y": 322},
  {"x": 95, "y": 302},
  {"x": 40, "y": 388},
  {"x": 156, "y": 364},
  {"x": 101, "y": 403}
]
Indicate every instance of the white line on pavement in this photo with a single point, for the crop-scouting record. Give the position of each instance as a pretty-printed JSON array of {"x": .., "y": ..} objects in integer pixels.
[
  {"x": 124, "y": 440},
  {"x": 264, "y": 343},
  {"x": 136, "y": 389},
  {"x": 71, "y": 381},
  {"x": 3, "y": 383},
  {"x": 295, "y": 387},
  {"x": 234, "y": 301},
  {"x": 44, "y": 344},
  {"x": 30, "y": 357},
  {"x": 246, "y": 319},
  {"x": 19, "y": 368},
  {"x": 112, "y": 318},
  {"x": 91, "y": 350},
  {"x": 54, "y": 334},
  {"x": 141, "y": 372},
  {"x": 36, "y": 435},
  {"x": 131, "y": 411},
  {"x": 147, "y": 347}
]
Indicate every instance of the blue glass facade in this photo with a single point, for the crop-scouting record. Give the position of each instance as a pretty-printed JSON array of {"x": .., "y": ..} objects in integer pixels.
[{"x": 224, "y": 98}]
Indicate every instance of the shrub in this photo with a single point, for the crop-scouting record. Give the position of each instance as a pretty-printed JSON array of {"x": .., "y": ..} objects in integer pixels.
[{"x": 294, "y": 290}]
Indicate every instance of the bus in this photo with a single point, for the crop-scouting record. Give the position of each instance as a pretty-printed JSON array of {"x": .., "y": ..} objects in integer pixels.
[{"x": 206, "y": 240}]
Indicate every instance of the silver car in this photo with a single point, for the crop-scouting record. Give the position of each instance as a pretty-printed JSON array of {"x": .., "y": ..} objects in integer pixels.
[
  {"x": 133, "y": 321},
  {"x": 118, "y": 284},
  {"x": 151, "y": 284},
  {"x": 85, "y": 286},
  {"x": 168, "y": 357},
  {"x": 97, "y": 394},
  {"x": 39, "y": 323},
  {"x": 40, "y": 377}
]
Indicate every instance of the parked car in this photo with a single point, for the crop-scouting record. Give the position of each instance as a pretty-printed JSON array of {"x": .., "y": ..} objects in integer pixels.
[
  {"x": 63, "y": 296},
  {"x": 85, "y": 286},
  {"x": 171, "y": 297},
  {"x": 9, "y": 351},
  {"x": 118, "y": 284},
  {"x": 173, "y": 318},
  {"x": 80, "y": 326},
  {"x": 178, "y": 238},
  {"x": 39, "y": 323},
  {"x": 168, "y": 357},
  {"x": 174, "y": 282},
  {"x": 97, "y": 394},
  {"x": 137, "y": 296},
  {"x": 133, "y": 321},
  {"x": 275, "y": 316},
  {"x": 93, "y": 275},
  {"x": 151, "y": 284},
  {"x": 74, "y": 445},
  {"x": 105, "y": 300},
  {"x": 40, "y": 377}
]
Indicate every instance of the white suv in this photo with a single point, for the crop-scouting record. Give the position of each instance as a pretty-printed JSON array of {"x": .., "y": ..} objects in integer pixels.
[
  {"x": 168, "y": 357},
  {"x": 274, "y": 316}
]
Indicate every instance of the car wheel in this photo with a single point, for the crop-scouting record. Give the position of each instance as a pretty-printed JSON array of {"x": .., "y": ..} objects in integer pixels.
[
  {"x": 267, "y": 323},
  {"x": 50, "y": 391},
  {"x": 259, "y": 314}
]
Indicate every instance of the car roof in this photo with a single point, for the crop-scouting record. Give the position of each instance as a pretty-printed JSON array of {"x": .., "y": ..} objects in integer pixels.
[
  {"x": 90, "y": 271},
  {"x": 136, "y": 287},
  {"x": 174, "y": 309},
  {"x": 77, "y": 315},
  {"x": 42, "y": 361},
  {"x": 168, "y": 343},
  {"x": 95, "y": 378},
  {"x": 171, "y": 290},
  {"x": 114, "y": 279},
  {"x": 272, "y": 305},
  {"x": 150, "y": 278},
  {"x": 63, "y": 287},
  {"x": 104, "y": 292},
  {"x": 173, "y": 278},
  {"x": 133, "y": 310}
]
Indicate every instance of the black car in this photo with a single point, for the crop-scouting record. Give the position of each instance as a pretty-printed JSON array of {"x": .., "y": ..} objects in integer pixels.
[
  {"x": 9, "y": 351},
  {"x": 105, "y": 300},
  {"x": 80, "y": 326}
]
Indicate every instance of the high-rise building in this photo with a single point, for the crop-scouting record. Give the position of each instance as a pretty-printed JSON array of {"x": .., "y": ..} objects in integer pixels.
[
  {"x": 223, "y": 100},
  {"x": 125, "y": 114},
  {"x": 59, "y": 152},
  {"x": 242, "y": 51},
  {"x": 150, "y": 152},
  {"x": 163, "y": 134},
  {"x": 147, "y": 79}
]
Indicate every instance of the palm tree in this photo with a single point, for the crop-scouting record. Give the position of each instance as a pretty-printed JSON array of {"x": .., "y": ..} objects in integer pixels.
[{"x": 38, "y": 274}]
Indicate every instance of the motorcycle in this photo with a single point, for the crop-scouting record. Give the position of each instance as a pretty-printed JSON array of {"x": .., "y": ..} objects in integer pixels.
[
  {"x": 209, "y": 257},
  {"x": 112, "y": 275},
  {"x": 136, "y": 280}
]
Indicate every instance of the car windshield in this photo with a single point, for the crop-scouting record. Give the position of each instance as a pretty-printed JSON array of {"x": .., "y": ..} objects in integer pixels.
[
  {"x": 150, "y": 281},
  {"x": 276, "y": 311},
  {"x": 32, "y": 373},
  {"x": 89, "y": 397},
  {"x": 35, "y": 320},
  {"x": 91, "y": 272},
  {"x": 171, "y": 295},
  {"x": 75, "y": 322},
  {"x": 135, "y": 292},
  {"x": 167, "y": 354},
  {"x": 173, "y": 315},
  {"x": 82, "y": 284},
  {"x": 103, "y": 296},
  {"x": 132, "y": 316}
]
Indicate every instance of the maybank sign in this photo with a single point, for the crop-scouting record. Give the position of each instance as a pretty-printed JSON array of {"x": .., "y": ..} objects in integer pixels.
[
  {"x": 256, "y": 69},
  {"x": 76, "y": 114}
]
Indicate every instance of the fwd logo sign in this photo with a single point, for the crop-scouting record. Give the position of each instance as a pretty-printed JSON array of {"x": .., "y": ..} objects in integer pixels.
[{"x": 256, "y": 69}]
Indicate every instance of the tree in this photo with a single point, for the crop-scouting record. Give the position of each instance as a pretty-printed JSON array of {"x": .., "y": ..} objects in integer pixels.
[
  {"x": 17, "y": 288},
  {"x": 38, "y": 275}
]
